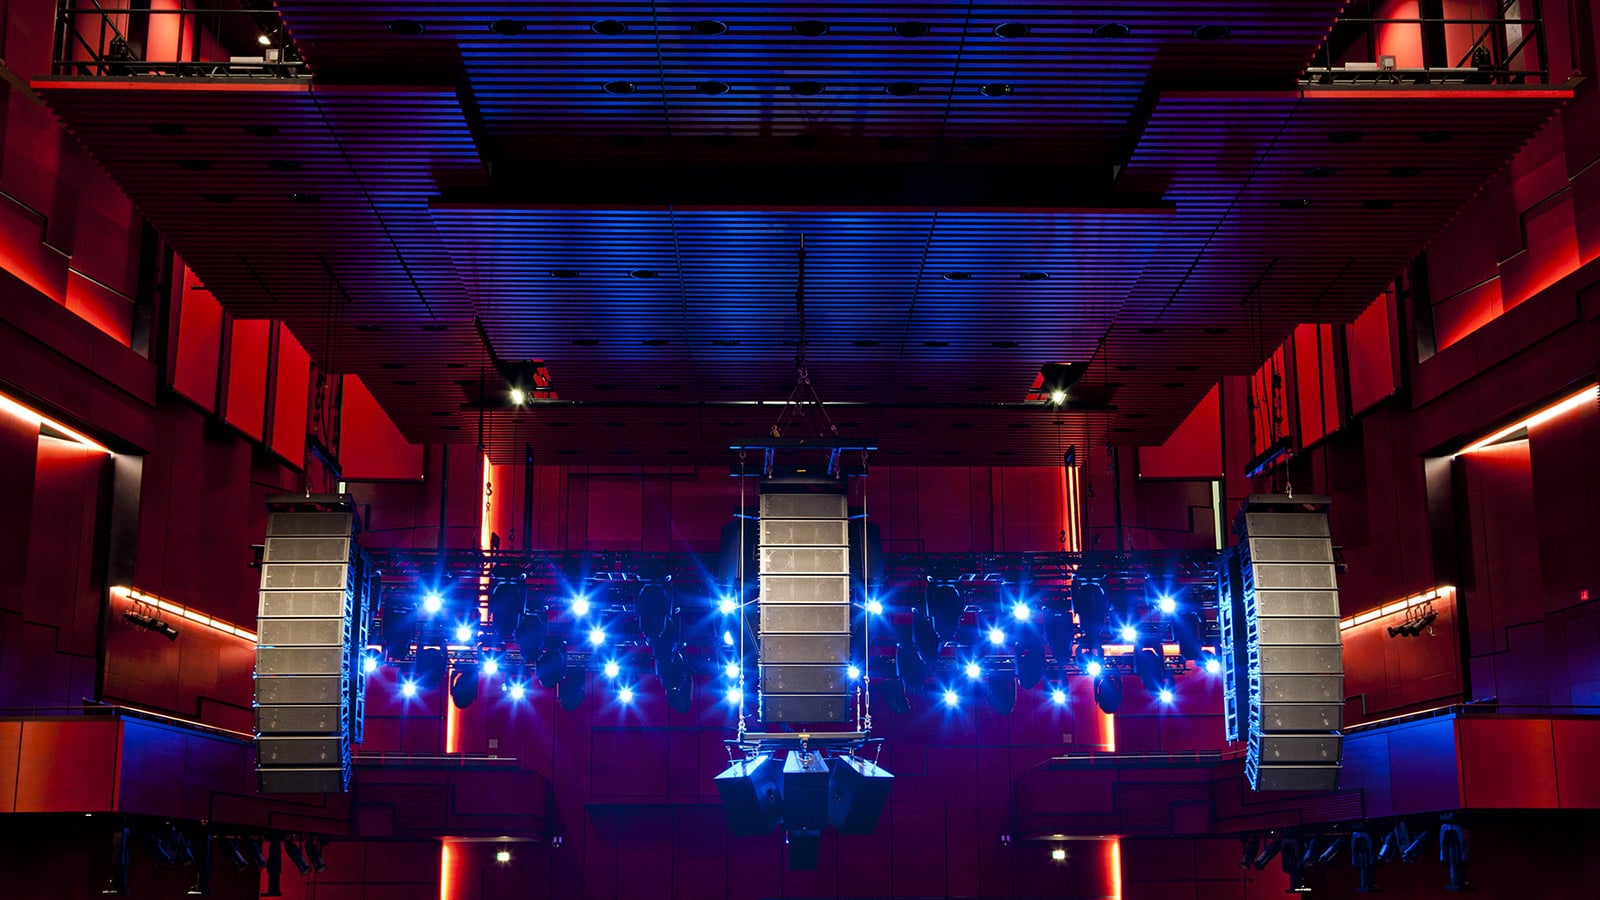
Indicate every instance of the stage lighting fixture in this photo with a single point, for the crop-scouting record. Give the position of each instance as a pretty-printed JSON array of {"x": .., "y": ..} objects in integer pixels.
[
  {"x": 432, "y": 603},
  {"x": 550, "y": 666},
  {"x": 1165, "y": 696},
  {"x": 1059, "y": 854},
  {"x": 891, "y": 692},
  {"x": 997, "y": 637},
  {"x": 1212, "y": 665},
  {"x": 532, "y": 631},
  {"x": 727, "y": 605},
  {"x": 1363, "y": 858},
  {"x": 502, "y": 856},
  {"x": 1129, "y": 634},
  {"x": 151, "y": 623},
  {"x": 653, "y": 607},
  {"x": 727, "y": 639},
  {"x": 1453, "y": 853},
  {"x": 1058, "y": 696},
  {"x": 506, "y": 603},
  {"x": 1411, "y": 850},
  {"x": 974, "y": 671},
  {"x": 910, "y": 667},
  {"x": 518, "y": 691},
  {"x": 1166, "y": 604},
  {"x": 597, "y": 636},
  {"x": 579, "y": 606},
  {"x": 569, "y": 693},
  {"x": 1030, "y": 666},
  {"x": 408, "y": 688},
  {"x": 1308, "y": 852},
  {"x": 923, "y": 635},
  {"x": 1090, "y": 603},
  {"x": 1335, "y": 844},
  {"x": 1390, "y": 848},
  {"x": 1022, "y": 612},
  {"x": 1108, "y": 694},
  {"x": 945, "y": 606},
  {"x": 296, "y": 856},
  {"x": 611, "y": 668},
  {"x": 951, "y": 698},
  {"x": 1249, "y": 847},
  {"x": 430, "y": 667},
  {"x": 464, "y": 686},
  {"x": 463, "y": 634},
  {"x": 1268, "y": 851},
  {"x": 1059, "y": 632},
  {"x": 369, "y": 663},
  {"x": 625, "y": 695},
  {"x": 257, "y": 855},
  {"x": 1058, "y": 397},
  {"x": 853, "y": 672},
  {"x": 518, "y": 397},
  {"x": 875, "y": 607},
  {"x": 1002, "y": 691},
  {"x": 230, "y": 847},
  {"x": 314, "y": 847},
  {"x": 735, "y": 696},
  {"x": 490, "y": 665},
  {"x": 731, "y": 670},
  {"x": 1093, "y": 668}
]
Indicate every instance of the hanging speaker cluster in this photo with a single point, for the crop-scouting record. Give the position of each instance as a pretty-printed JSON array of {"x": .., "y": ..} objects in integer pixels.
[
  {"x": 804, "y": 608},
  {"x": 805, "y": 792}
]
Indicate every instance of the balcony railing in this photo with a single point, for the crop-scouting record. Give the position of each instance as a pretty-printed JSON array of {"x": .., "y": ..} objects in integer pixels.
[
  {"x": 1499, "y": 42},
  {"x": 193, "y": 38}
]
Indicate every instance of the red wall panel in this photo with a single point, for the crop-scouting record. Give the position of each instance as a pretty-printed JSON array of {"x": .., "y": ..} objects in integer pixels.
[
  {"x": 199, "y": 356},
  {"x": 248, "y": 351},
  {"x": 1195, "y": 449},
  {"x": 291, "y": 398},
  {"x": 1371, "y": 348},
  {"x": 370, "y": 446}
]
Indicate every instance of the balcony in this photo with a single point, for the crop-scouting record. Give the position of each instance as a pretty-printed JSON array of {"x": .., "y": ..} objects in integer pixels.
[
  {"x": 181, "y": 38},
  {"x": 1384, "y": 42}
]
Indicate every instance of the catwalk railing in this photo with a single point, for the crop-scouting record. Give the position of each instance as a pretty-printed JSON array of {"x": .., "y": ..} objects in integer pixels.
[
  {"x": 220, "y": 39},
  {"x": 1504, "y": 45}
]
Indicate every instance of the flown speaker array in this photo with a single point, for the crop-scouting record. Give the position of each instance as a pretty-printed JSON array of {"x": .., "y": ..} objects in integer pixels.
[
  {"x": 1283, "y": 672},
  {"x": 314, "y": 614},
  {"x": 804, "y": 608}
]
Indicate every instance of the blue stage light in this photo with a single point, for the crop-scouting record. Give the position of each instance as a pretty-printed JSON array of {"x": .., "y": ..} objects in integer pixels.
[
  {"x": 1093, "y": 668},
  {"x": 612, "y": 670},
  {"x": 463, "y": 634},
  {"x": 731, "y": 670},
  {"x": 597, "y": 636},
  {"x": 727, "y": 605},
  {"x": 1165, "y": 696},
  {"x": 974, "y": 671},
  {"x": 736, "y": 696},
  {"x": 1058, "y": 697},
  {"x": 408, "y": 689},
  {"x": 1167, "y": 605},
  {"x": 490, "y": 665},
  {"x": 854, "y": 673},
  {"x": 727, "y": 638},
  {"x": 875, "y": 607},
  {"x": 1213, "y": 666},
  {"x": 997, "y": 637},
  {"x": 432, "y": 603},
  {"x": 1021, "y": 612},
  {"x": 580, "y": 606},
  {"x": 625, "y": 695},
  {"x": 369, "y": 664},
  {"x": 1130, "y": 634},
  {"x": 952, "y": 699},
  {"x": 518, "y": 691}
]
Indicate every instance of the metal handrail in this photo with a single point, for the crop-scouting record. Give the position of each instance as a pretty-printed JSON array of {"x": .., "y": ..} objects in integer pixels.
[
  {"x": 111, "y": 52},
  {"x": 410, "y": 758},
  {"x": 1501, "y": 71},
  {"x": 91, "y": 709}
]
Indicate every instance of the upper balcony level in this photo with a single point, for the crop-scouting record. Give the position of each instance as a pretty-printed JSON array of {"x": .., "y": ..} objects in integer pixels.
[
  {"x": 193, "y": 38},
  {"x": 1437, "y": 42}
]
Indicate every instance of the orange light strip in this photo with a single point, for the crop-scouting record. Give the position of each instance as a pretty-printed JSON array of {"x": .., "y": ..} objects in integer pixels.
[
  {"x": 446, "y": 860},
  {"x": 1441, "y": 592},
  {"x": 1561, "y": 407},
  {"x": 1116, "y": 869},
  {"x": 33, "y": 418},
  {"x": 188, "y": 614}
]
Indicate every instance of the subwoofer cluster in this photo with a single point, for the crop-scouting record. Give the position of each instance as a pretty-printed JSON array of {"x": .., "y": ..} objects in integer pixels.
[
  {"x": 804, "y": 608},
  {"x": 811, "y": 790},
  {"x": 312, "y": 623},
  {"x": 1283, "y": 671}
]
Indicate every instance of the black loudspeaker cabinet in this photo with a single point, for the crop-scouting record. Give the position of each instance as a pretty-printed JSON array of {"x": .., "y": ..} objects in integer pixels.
[
  {"x": 857, "y": 792},
  {"x": 752, "y": 795},
  {"x": 805, "y": 791}
]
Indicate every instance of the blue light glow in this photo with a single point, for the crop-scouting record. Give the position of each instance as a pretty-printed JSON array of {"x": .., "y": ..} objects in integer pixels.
[
  {"x": 853, "y": 673},
  {"x": 1022, "y": 612},
  {"x": 612, "y": 670},
  {"x": 952, "y": 699},
  {"x": 490, "y": 665},
  {"x": 580, "y": 606},
  {"x": 727, "y": 605},
  {"x": 597, "y": 636},
  {"x": 432, "y": 603},
  {"x": 997, "y": 637},
  {"x": 974, "y": 671},
  {"x": 1165, "y": 696},
  {"x": 1213, "y": 666},
  {"x": 518, "y": 690},
  {"x": 625, "y": 695},
  {"x": 369, "y": 664},
  {"x": 408, "y": 689},
  {"x": 463, "y": 634},
  {"x": 731, "y": 670},
  {"x": 1167, "y": 605},
  {"x": 736, "y": 696},
  {"x": 1093, "y": 668},
  {"x": 1130, "y": 633},
  {"x": 1058, "y": 697},
  {"x": 875, "y": 607},
  {"x": 727, "y": 638}
]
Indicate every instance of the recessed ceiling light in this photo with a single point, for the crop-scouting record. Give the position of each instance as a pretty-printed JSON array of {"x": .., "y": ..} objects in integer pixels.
[
  {"x": 262, "y": 129},
  {"x": 806, "y": 88},
  {"x": 1111, "y": 30},
  {"x": 220, "y": 197},
  {"x": 283, "y": 165},
  {"x": 997, "y": 89},
  {"x": 508, "y": 27},
  {"x": 194, "y": 165},
  {"x": 608, "y": 27},
  {"x": 168, "y": 129},
  {"x": 564, "y": 273},
  {"x": 369, "y": 328},
  {"x": 618, "y": 87},
  {"x": 585, "y": 342},
  {"x": 643, "y": 273},
  {"x": 1034, "y": 276},
  {"x": 900, "y": 88},
  {"x": 406, "y": 27},
  {"x": 1405, "y": 171},
  {"x": 712, "y": 88},
  {"x": 709, "y": 27},
  {"x": 811, "y": 28},
  {"x": 1378, "y": 203},
  {"x": 1011, "y": 30},
  {"x": 1295, "y": 203},
  {"x": 1211, "y": 32},
  {"x": 1345, "y": 137},
  {"x": 911, "y": 29},
  {"x": 1435, "y": 137},
  {"x": 957, "y": 276},
  {"x": 1318, "y": 172},
  {"x": 303, "y": 197}
]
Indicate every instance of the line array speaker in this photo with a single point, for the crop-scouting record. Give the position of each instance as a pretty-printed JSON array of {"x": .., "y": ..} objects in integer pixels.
[
  {"x": 1281, "y": 641},
  {"x": 312, "y": 622},
  {"x": 804, "y": 566}
]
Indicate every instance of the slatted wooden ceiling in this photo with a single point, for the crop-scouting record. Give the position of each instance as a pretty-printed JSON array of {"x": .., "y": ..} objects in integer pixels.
[{"x": 1316, "y": 197}]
